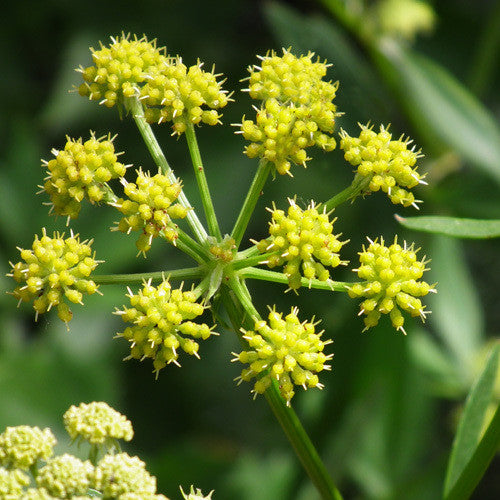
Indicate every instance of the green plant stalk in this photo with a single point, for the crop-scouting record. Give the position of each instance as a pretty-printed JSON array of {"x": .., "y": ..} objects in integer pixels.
[
  {"x": 478, "y": 463},
  {"x": 358, "y": 185},
  {"x": 250, "y": 201},
  {"x": 264, "y": 274},
  {"x": 191, "y": 247},
  {"x": 199, "y": 171},
  {"x": 159, "y": 158},
  {"x": 187, "y": 273},
  {"x": 250, "y": 259},
  {"x": 286, "y": 416}
]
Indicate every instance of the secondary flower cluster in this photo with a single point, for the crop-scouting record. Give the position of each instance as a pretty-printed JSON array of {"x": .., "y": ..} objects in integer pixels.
[
  {"x": 284, "y": 350},
  {"x": 303, "y": 242},
  {"x": 150, "y": 208},
  {"x": 81, "y": 171},
  {"x": 54, "y": 269},
  {"x": 160, "y": 317},
  {"x": 391, "y": 283},
  {"x": 297, "y": 111},
  {"x": 169, "y": 90},
  {"x": 115, "y": 476},
  {"x": 389, "y": 165}
]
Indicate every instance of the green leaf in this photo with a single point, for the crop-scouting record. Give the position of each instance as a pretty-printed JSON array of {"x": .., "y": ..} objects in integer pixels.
[
  {"x": 471, "y": 455},
  {"x": 453, "y": 226},
  {"x": 440, "y": 107}
]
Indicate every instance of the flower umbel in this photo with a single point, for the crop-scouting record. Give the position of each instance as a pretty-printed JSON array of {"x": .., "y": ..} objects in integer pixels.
[
  {"x": 303, "y": 242},
  {"x": 97, "y": 423},
  {"x": 22, "y": 446},
  {"x": 196, "y": 494},
  {"x": 80, "y": 171},
  {"x": 389, "y": 165},
  {"x": 12, "y": 483},
  {"x": 391, "y": 283},
  {"x": 54, "y": 269},
  {"x": 150, "y": 209},
  {"x": 160, "y": 317},
  {"x": 284, "y": 350}
]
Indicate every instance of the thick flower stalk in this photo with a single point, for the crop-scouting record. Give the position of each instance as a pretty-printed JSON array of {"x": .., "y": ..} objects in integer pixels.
[
  {"x": 81, "y": 170},
  {"x": 183, "y": 95},
  {"x": 297, "y": 111},
  {"x": 97, "y": 423},
  {"x": 149, "y": 208},
  {"x": 53, "y": 270},
  {"x": 284, "y": 350},
  {"x": 161, "y": 324},
  {"x": 303, "y": 242},
  {"x": 390, "y": 165},
  {"x": 392, "y": 283},
  {"x": 120, "y": 69},
  {"x": 22, "y": 446}
]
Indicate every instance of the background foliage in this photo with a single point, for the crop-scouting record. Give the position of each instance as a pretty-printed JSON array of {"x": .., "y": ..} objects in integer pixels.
[{"x": 386, "y": 419}]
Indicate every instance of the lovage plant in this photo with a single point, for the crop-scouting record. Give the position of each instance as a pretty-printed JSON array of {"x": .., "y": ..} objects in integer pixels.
[{"x": 281, "y": 351}]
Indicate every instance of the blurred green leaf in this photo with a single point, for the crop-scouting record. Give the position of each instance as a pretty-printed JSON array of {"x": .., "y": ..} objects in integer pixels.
[
  {"x": 470, "y": 456},
  {"x": 453, "y": 226},
  {"x": 441, "y": 107},
  {"x": 456, "y": 310}
]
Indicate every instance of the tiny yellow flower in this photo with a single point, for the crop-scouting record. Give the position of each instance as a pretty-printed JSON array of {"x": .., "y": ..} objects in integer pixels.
[
  {"x": 97, "y": 423},
  {"x": 54, "y": 269},
  {"x": 390, "y": 165},
  {"x": 195, "y": 494},
  {"x": 304, "y": 243},
  {"x": 161, "y": 318},
  {"x": 391, "y": 282},
  {"x": 284, "y": 350}
]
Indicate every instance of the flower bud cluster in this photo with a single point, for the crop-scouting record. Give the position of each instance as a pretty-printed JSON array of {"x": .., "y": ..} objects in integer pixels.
[
  {"x": 297, "y": 110},
  {"x": 115, "y": 475},
  {"x": 150, "y": 209},
  {"x": 181, "y": 95},
  {"x": 303, "y": 242},
  {"x": 390, "y": 165},
  {"x": 80, "y": 171},
  {"x": 54, "y": 269},
  {"x": 391, "y": 283},
  {"x": 97, "y": 423},
  {"x": 161, "y": 324},
  {"x": 196, "y": 494},
  {"x": 284, "y": 350},
  {"x": 120, "y": 69}
]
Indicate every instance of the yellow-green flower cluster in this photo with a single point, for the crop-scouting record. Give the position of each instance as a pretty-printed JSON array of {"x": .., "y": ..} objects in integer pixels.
[
  {"x": 390, "y": 165},
  {"x": 65, "y": 476},
  {"x": 181, "y": 95},
  {"x": 22, "y": 446},
  {"x": 81, "y": 170},
  {"x": 54, "y": 269},
  {"x": 196, "y": 494},
  {"x": 150, "y": 208},
  {"x": 391, "y": 282},
  {"x": 97, "y": 423},
  {"x": 297, "y": 111},
  {"x": 161, "y": 324},
  {"x": 284, "y": 350},
  {"x": 120, "y": 69},
  {"x": 303, "y": 242},
  {"x": 12, "y": 483}
]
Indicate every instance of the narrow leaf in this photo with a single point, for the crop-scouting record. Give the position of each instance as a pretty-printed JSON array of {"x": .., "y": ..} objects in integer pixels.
[
  {"x": 453, "y": 226},
  {"x": 441, "y": 107},
  {"x": 471, "y": 455}
]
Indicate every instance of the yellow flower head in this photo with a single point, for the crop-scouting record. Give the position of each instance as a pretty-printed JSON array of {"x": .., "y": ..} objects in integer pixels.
[
  {"x": 284, "y": 350},
  {"x": 54, "y": 269},
  {"x": 391, "y": 282},
  {"x": 304, "y": 243}
]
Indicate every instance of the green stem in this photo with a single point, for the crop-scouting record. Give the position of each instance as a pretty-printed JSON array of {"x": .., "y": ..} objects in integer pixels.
[
  {"x": 286, "y": 416},
  {"x": 251, "y": 260},
  {"x": 201, "y": 179},
  {"x": 250, "y": 201},
  {"x": 358, "y": 185},
  {"x": 191, "y": 247},
  {"x": 264, "y": 274},
  {"x": 159, "y": 158},
  {"x": 187, "y": 273}
]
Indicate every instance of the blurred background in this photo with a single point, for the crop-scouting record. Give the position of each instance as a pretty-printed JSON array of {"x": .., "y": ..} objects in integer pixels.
[{"x": 385, "y": 421}]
